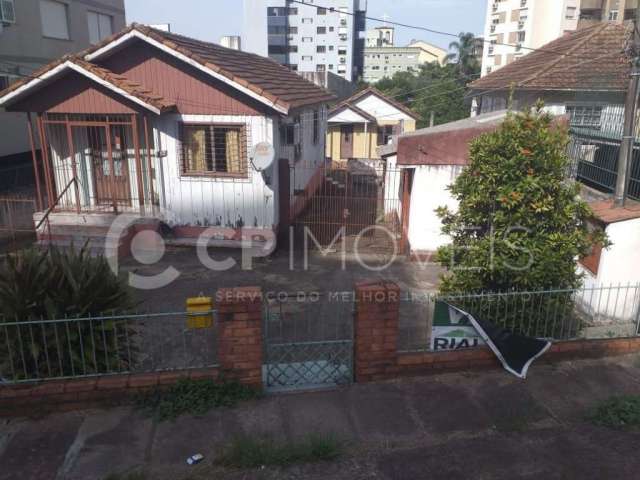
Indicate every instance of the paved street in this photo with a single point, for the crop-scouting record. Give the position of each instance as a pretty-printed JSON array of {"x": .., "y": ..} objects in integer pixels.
[{"x": 486, "y": 425}]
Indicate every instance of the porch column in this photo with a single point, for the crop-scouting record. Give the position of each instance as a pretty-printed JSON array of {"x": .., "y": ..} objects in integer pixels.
[
  {"x": 147, "y": 142},
  {"x": 45, "y": 160},
  {"x": 72, "y": 158},
  {"x": 136, "y": 148},
  {"x": 34, "y": 157}
]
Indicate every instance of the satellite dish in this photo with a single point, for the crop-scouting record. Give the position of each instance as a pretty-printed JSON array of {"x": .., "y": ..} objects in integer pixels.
[{"x": 262, "y": 156}]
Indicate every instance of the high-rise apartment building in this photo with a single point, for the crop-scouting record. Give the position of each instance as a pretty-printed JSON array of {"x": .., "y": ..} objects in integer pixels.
[
  {"x": 606, "y": 10},
  {"x": 308, "y": 38},
  {"x": 523, "y": 25}
]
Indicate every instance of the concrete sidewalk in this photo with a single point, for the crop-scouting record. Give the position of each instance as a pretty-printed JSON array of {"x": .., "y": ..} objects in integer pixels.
[{"x": 486, "y": 425}]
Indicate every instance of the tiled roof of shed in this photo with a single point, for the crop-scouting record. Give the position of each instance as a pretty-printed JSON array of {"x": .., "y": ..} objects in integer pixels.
[{"x": 590, "y": 59}]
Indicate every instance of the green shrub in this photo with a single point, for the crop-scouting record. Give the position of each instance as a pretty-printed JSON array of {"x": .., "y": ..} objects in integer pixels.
[
  {"x": 38, "y": 285},
  {"x": 249, "y": 452},
  {"x": 618, "y": 412},
  {"x": 195, "y": 397}
]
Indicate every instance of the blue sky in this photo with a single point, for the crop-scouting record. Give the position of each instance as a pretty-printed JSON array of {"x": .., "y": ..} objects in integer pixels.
[{"x": 210, "y": 19}]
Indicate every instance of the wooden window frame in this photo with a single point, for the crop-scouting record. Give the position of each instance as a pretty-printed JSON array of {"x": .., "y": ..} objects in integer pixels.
[{"x": 244, "y": 158}]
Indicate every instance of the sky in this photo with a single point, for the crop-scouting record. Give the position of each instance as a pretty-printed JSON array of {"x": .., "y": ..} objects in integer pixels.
[{"x": 210, "y": 19}]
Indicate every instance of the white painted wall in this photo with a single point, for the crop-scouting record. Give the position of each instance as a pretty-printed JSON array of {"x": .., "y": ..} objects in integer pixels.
[
  {"x": 381, "y": 110},
  {"x": 429, "y": 192},
  {"x": 204, "y": 201},
  {"x": 619, "y": 265}
]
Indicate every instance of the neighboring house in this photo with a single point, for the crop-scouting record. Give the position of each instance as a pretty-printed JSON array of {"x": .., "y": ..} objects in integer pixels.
[
  {"x": 432, "y": 159},
  {"x": 34, "y": 32},
  {"x": 589, "y": 83},
  {"x": 513, "y": 27},
  {"x": 358, "y": 125},
  {"x": 157, "y": 123},
  {"x": 582, "y": 68},
  {"x": 308, "y": 38}
]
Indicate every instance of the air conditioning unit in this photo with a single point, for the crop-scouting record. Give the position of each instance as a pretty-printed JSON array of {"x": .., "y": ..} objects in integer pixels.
[{"x": 7, "y": 11}]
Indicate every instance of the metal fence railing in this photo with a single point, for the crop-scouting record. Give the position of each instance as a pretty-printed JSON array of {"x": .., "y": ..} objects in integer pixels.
[
  {"x": 595, "y": 138},
  {"x": 102, "y": 345},
  {"x": 588, "y": 313},
  {"x": 16, "y": 221}
]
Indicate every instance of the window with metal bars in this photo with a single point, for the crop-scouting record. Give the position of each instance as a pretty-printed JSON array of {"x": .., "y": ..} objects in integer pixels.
[
  {"x": 585, "y": 115},
  {"x": 213, "y": 150}
]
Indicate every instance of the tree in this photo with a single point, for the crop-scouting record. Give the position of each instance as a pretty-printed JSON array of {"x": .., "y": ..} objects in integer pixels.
[
  {"x": 519, "y": 225},
  {"x": 433, "y": 88},
  {"x": 464, "y": 53}
]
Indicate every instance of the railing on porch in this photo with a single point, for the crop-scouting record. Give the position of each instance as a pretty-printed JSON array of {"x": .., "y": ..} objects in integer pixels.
[
  {"x": 16, "y": 221},
  {"x": 108, "y": 157}
]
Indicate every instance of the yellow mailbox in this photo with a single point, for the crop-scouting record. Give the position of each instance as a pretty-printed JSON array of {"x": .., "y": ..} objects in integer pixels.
[{"x": 199, "y": 312}]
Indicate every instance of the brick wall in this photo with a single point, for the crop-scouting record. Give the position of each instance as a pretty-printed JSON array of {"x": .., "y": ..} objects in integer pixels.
[
  {"x": 376, "y": 330},
  {"x": 240, "y": 334}
]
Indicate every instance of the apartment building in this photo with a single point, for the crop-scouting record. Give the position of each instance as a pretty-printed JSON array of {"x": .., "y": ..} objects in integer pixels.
[
  {"x": 308, "y": 38},
  {"x": 606, "y": 10},
  {"x": 34, "y": 32},
  {"x": 383, "y": 59},
  {"x": 513, "y": 27}
]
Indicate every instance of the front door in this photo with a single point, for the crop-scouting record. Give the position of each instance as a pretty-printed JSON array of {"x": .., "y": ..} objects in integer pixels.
[
  {"x": 346, "y": 141},
  {"x": 110, "y": 166}
]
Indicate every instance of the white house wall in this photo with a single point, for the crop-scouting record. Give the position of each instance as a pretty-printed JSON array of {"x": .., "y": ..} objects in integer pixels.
[
  {"x": 429, "y": 191},
  {"x": 380, "y": 109},
  {"x": 618, "y": 266},
  {"x": 210, "y": 201}
]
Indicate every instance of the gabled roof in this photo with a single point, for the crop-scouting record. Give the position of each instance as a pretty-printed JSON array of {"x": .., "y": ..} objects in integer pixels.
[
  {"x": 258, "y": 77},
  {"x": 590, "y": 59},
  {"x": 348, "y": 106},
  {"x": 352, "y": 100},
  {"x": 112, "y": 81}
]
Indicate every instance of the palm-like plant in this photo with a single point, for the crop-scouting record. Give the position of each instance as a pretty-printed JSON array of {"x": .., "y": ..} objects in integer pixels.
[
  {"x": 464, "y": 54},
  {"x": 38, "y": 285}
]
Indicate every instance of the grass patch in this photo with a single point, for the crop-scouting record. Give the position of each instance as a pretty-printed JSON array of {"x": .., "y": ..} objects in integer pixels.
[
  {"x": 618, "y": 412},
  {"x": 194, "y": 397},
  {"x": 247, "y": 452}
]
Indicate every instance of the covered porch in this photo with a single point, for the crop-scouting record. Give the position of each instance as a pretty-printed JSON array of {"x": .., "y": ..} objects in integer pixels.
[{"x": 95, "y": 163}]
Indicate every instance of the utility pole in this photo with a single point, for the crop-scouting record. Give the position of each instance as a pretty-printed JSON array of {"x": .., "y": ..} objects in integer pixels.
[{"x": 630, "y": 106}]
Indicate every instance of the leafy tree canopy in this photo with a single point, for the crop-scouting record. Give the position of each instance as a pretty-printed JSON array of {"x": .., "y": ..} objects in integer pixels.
[
  {"x": 433, "y": 88},
  {"x": 520, "y": 225}
]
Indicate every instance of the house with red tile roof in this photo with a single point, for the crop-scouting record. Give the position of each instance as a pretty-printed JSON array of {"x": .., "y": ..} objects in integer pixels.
[
  {"x": 584, "y": 74},
  {"x": 590, "y": 65},
  {"x": 174, "y": 129}
]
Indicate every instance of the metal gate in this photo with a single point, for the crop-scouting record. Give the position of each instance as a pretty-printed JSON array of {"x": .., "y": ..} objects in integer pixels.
[
  {"x": 308, "y": 342},
  {"x": 358, "y": 202}
]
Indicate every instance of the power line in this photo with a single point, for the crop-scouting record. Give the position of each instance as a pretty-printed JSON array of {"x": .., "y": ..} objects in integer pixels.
[{"x": 431, "y": 30}]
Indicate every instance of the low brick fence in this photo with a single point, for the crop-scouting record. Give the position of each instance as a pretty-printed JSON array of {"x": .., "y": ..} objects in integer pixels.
[
  {"x": 240, "y": 344},
  {"x": 377, "y": 356}
]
